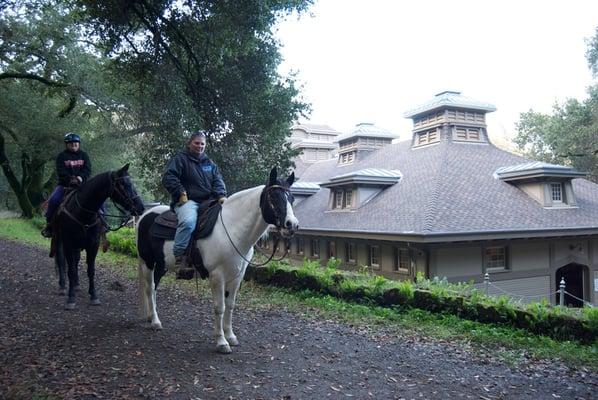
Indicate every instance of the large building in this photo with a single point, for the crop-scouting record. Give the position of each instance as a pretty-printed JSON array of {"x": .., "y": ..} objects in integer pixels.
[{"x": 448, "y": 203}]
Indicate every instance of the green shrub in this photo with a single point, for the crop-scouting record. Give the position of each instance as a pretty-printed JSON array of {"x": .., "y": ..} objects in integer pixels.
[{"x": 123, "y": 241}]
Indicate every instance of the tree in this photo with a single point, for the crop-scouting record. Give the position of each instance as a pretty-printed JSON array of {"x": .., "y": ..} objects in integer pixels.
[
  {"x": 51, "y": 82},
  {"x": 209, "y": 65},
  {"x": 570, "y": 134}
]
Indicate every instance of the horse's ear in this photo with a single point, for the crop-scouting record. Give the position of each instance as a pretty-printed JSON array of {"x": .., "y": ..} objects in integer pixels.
[
  {"x": 123, "y": 170},
  {"x": 273, "y": 174},
  {"x": 291, "y": 179}
]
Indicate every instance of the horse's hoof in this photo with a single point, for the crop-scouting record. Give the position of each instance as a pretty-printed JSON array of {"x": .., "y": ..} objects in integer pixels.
[
  {"x": 233, "y": 341},
  {"x": 223, "y": 349},
  {"x": 62, "y": 292},
  {"x": 157, "y": 326},
  {"x": 69, "y": 306},
  {"x": 95, "y": 302}
]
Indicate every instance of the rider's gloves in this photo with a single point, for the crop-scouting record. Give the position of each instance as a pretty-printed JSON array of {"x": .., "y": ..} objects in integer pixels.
[{"x": 183, "y": 198}]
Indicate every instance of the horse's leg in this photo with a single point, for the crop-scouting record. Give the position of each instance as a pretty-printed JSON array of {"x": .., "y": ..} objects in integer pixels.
[
  {"x": 217, "y": 286},
  {"x": 77, "y": 259},
  {"x": 147, "y": 293},
  {"x": 69, "y": 255},
  {"x": 60, "y": 263},
  {"x": 230, "y": 296},
  {"x": 91, "y": 252}
]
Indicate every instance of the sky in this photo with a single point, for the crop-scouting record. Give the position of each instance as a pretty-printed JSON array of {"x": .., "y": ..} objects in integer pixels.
[{"x": 373, "y": 60}]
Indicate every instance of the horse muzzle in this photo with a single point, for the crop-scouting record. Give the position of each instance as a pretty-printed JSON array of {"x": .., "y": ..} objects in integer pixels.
[{"x": 290, "y": 228}]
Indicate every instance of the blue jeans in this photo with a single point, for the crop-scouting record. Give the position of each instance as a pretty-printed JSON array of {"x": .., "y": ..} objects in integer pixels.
[
  {"x": 187, "y": 216},
  {"x": 54, "y": 202}
]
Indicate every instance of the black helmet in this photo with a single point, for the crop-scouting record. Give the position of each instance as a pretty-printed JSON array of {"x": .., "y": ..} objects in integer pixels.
[{"x": 71, "y": 137}]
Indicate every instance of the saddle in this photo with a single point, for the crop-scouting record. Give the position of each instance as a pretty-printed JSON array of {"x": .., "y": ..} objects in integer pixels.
[{"x": 164, "y": 227}]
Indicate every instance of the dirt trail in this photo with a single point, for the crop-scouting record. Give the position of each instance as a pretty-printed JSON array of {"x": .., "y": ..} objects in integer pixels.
[{"x": 105, "y": 352}]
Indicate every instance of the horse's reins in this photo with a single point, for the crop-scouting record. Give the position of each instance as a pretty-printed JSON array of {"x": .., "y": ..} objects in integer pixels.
[
  {"x": 278, "y": 218},
  {"x": 114, "y": 187}
]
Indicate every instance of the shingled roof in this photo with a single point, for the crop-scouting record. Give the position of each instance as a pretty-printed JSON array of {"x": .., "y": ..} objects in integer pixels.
[{"x": 445, "y": 191}]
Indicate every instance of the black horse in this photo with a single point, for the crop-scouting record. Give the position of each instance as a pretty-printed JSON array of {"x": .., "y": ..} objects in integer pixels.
[{"x": 78, "y": 223}]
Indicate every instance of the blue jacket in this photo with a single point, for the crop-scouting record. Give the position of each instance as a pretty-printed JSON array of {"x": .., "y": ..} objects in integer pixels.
[{"x": 198, "y": 176}]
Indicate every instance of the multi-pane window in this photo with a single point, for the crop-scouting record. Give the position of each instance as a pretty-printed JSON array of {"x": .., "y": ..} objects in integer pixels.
[
  {"x": 338, "y": 198},
  {"x": 343, "y": 198},
  {"x": 348, "y": 198},
  {"x": 374, "y": 251},
  {"x": 402, "y": 262},
  {"x": 350, "y": 252},
  {"x": 495, "y": 258},
  {"x": 347, "y": 158},
  {"x": 300, "y": 245},
  {"x": 315, "y": 248},
  {"x": 556, "y": 192}
]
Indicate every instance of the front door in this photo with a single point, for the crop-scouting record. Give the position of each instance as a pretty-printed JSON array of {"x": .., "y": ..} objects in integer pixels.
[{"x": 573, "y": 274}]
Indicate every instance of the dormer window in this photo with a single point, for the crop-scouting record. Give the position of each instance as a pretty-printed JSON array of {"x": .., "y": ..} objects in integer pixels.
[
  {"x": 343, "y": 198},
  {"x": 347, "y": 158},
  {"x": 556, "y": 192},
  {"x": 548, "y": 184},
  {"x": 354, "y": 189}
]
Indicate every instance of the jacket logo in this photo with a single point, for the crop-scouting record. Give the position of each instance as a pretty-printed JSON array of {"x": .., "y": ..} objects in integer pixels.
[
  {"x": 206, "y": 168},
  {"x": 74, "y": 163}
]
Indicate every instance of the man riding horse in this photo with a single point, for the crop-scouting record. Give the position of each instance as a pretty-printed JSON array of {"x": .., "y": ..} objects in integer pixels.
[{"x": 191, "y": 178}]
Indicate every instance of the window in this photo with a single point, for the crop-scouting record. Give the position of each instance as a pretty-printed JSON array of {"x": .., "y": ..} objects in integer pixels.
[
  {"x": 495, "y": 258},
  {"x": 300, "y": 245},
  {"x": 402, "y": 261},
  {"x": 556, "y": 192},
  {"x": 315, "y": 248},
  {"x": 343, "y": 198},
  {"x": 331, "y": 249},
  {"x": 350, "y": 252},
  {"x": 338, "y": 198},
  {"x": 467, "y": 134},
  {"x": 427, "y": 137},
  {"x": 374, "y": 251}
]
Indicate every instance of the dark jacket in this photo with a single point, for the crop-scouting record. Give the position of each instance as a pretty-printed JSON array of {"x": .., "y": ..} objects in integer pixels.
[
  {"x": 198, "y": 176},
  {"x": 69, "y": 164}
]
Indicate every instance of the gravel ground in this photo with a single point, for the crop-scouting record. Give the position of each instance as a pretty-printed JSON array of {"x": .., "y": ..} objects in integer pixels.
[{"x": 107, "y": 353}]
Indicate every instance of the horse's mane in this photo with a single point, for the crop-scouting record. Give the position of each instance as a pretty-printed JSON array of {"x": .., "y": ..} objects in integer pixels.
[{"x": 243, "y": 193}]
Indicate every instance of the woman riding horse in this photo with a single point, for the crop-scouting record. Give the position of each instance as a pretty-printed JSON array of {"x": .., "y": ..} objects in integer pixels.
[{"x": 79, "y": 223}]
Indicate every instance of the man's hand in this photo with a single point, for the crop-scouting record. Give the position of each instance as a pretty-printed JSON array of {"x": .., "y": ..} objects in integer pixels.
[
  {"x": 183, "y": 198},
  {"x": 221, "y": 199}
]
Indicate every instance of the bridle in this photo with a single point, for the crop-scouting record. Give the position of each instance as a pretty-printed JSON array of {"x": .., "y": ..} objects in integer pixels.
[
  {"x": 279, "y": 223},
  {"x": 115, "y": 187}
]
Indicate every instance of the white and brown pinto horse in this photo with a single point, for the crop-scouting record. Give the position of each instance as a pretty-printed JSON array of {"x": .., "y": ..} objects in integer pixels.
[{"x": 226, "y": 252}]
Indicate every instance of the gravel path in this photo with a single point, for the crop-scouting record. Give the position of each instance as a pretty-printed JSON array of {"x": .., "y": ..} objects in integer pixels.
[{"x": 106, "y": 353}]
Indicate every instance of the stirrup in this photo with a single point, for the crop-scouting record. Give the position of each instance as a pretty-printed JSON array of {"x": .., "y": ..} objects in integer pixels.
[{"x": 47, "y": 231}]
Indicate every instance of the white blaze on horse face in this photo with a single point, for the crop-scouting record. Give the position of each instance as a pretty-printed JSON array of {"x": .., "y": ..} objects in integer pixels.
[{"x": 291, "y": 223}]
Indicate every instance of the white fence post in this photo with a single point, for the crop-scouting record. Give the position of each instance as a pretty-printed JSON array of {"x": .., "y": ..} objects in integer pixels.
[
  {"x": 562, "y": 292},
  {"x": 486, "y": 283}
]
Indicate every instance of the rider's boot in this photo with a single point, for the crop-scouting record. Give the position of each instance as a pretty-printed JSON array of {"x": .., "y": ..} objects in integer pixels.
[
  {"x": 182, "y": 267},
  {"x": 47, "y": 231}
]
